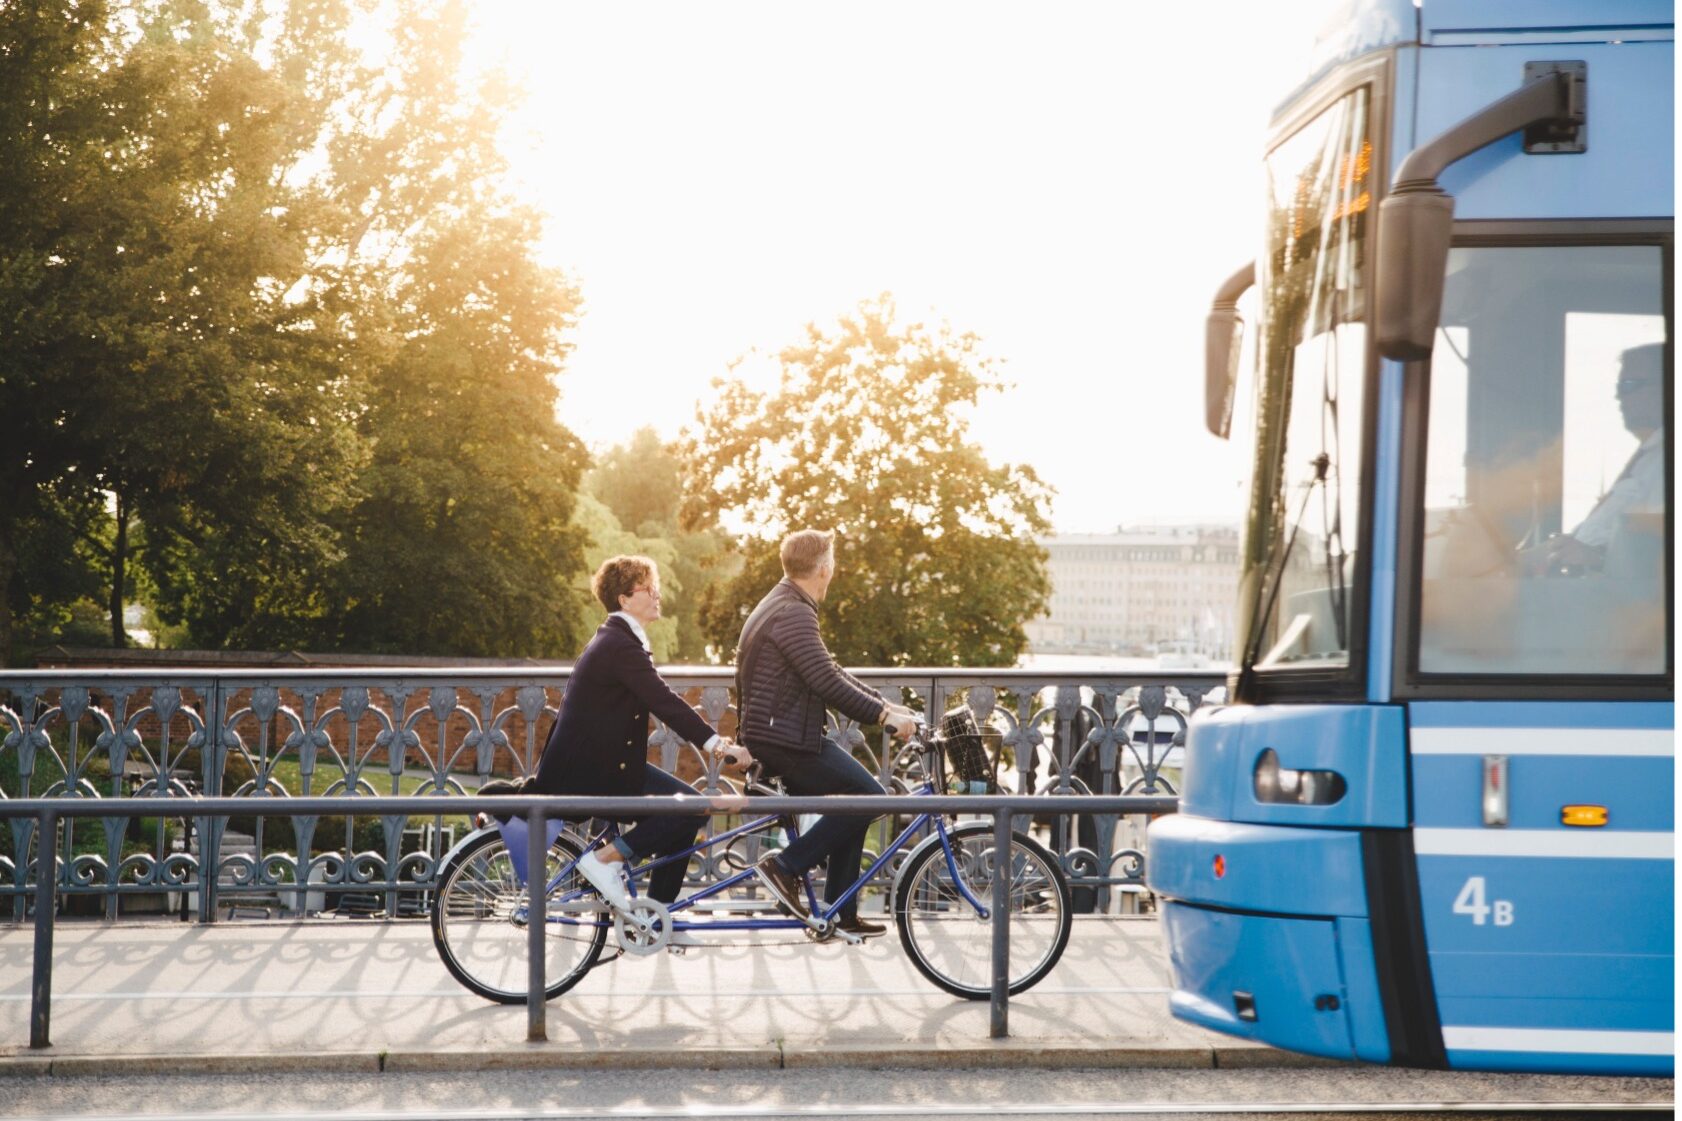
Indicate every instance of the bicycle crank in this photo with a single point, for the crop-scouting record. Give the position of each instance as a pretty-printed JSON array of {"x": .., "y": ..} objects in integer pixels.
[{"x": 644, "y": 928}]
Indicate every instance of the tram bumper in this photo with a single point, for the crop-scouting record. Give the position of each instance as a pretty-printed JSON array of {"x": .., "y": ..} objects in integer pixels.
[{"x": 1303, "y": 979}]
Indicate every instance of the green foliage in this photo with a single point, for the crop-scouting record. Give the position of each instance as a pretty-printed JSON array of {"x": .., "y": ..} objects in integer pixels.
[
  {"x": 62, "y": 535},
  {"x": 641, "y": 482},
  {"x": 271, "y": 308},
  {"x": 462, "y": 541},
  {"x": 867, "y": 434},
  {"x": 640, "y": 485}
]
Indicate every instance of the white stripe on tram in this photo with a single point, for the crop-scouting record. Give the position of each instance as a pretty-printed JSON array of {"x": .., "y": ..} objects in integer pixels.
[
  {"x": 1545, "y": 842},
  {"x": 1598, "y": 742},
  {"x": 1577, "y": 1041}
]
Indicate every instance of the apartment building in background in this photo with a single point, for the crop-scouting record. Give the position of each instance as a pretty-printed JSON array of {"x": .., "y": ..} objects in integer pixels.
[{"x": 1158, "y": 590}]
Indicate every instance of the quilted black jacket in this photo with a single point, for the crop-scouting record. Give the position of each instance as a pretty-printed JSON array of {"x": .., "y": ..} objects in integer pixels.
[{"x": 785, "y": 676}]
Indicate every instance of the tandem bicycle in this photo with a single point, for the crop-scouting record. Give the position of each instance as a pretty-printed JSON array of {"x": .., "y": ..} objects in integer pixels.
[{"x": 941, "y": 895}]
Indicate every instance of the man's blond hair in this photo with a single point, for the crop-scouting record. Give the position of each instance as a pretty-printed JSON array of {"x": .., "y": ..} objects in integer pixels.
[{"x": 804, "y": 550}]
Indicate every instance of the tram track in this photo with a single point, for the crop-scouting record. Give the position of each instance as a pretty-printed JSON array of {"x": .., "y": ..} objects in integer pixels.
[{"x": 1330, "y": 1111}]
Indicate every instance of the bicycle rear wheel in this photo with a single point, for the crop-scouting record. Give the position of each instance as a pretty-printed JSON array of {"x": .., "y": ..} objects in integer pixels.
[
  {"x": 480, "y": 930},
  {"x": 948, "y": 940}
]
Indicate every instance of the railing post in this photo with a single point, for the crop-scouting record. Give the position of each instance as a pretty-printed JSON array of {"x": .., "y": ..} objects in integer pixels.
[
  {"x": 210, "y": 832},
  {"x": 1003, "y": 870},
  {"x": 46, "y": 884},
  {"x": 537, "y": 928}
]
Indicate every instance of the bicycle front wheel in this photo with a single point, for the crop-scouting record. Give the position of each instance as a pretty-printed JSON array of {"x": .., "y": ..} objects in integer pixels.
[
  {"x": 479, "y": 922},
  {"x": 943, "y": 932}
]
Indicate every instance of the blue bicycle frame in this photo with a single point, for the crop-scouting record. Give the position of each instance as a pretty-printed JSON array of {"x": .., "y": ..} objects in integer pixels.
[{"x": 917, "y": 826}]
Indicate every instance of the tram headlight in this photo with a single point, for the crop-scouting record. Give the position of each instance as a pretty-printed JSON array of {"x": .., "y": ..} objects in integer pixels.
[{"x": 1283, "y": 786}]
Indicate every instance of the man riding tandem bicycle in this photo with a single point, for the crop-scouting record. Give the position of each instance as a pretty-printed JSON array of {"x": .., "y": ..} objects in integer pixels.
[{"x": 941, "y": 898}]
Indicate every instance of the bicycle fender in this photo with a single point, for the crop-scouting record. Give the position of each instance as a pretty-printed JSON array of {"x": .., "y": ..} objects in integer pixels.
[
  {"x": 899, "y": 873},
  {"x": 473, "y": 835}
]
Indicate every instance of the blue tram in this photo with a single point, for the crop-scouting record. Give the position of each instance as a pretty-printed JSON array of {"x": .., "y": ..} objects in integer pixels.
[{"x": 1436, "y": 826}]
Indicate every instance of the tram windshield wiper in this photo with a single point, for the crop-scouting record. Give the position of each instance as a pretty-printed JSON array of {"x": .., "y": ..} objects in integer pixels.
[{"x": 1273, "y": 575}]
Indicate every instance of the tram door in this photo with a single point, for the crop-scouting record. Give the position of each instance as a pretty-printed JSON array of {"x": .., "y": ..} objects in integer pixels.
[{"x": 1545, "y": 826}]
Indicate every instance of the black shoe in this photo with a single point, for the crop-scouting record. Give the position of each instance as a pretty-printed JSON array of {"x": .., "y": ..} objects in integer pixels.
[
  {"x": 783, "y": 886},
  {"x": 860, "y": 928}
]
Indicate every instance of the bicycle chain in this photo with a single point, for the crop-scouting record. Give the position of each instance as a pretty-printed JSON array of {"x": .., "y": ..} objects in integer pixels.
[{"x": 612, "y": 952}]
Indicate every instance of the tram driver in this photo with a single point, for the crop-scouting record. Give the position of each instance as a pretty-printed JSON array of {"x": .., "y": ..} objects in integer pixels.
[{"x": 1637, "y": 496}]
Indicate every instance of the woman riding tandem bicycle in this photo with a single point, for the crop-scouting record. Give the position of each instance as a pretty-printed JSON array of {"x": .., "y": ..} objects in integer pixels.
[{"x": 941, "y": 897}]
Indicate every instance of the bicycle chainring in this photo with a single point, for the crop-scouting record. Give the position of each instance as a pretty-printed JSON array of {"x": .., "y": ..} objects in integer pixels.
[{"x": 643, "y": 929}]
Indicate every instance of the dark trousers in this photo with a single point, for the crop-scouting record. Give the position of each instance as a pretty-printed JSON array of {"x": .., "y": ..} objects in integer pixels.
[
  {"x": 834, "y": 837},
  {"x": 663, "y": 835},
  {"x": 656, "y": 834}
]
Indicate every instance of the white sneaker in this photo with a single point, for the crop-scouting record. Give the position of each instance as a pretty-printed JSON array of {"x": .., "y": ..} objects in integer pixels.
[{"x": 608, "y": 879}]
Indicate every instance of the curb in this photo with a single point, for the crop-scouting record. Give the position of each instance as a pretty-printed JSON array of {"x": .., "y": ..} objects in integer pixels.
[
  {"x": 543, "y": 1056},
  {"x": 998, "y": 1056}
]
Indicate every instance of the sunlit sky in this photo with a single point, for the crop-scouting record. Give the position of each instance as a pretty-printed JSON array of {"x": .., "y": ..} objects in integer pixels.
[{"x": 1069, "y": 181}]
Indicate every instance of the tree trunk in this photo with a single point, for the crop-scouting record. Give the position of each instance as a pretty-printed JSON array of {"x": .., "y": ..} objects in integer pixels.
[
  {"x": 8, "y": 571},
  {"x": 119, "y": 561}
]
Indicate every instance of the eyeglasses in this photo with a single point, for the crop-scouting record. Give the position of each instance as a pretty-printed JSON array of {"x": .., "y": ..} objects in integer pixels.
[{"x": 653, "y": 593}]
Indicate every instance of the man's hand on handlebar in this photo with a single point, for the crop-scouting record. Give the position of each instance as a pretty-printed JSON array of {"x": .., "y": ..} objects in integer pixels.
[
  {"x": 732, "y": 752},
  {"x": 901, "y": 721}
]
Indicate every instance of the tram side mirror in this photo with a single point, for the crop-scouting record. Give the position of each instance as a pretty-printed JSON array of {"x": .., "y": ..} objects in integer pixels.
[
  {"x": 1415, "y": 226},
  {"x": 1223, "y": 342}
]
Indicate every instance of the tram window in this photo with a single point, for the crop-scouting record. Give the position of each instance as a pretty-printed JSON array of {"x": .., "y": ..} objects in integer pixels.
[
  {"x": 1545, "y": 484},
  {"x": 1302, "y": 531}
]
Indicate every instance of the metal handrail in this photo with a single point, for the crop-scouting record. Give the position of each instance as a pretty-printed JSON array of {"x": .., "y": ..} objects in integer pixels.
[
  {"x": 1002, "y": 807},
  {"x": 182, "y": 732}
]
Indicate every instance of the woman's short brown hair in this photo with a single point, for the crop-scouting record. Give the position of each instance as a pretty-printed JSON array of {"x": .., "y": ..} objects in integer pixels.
[
  {"x": 619, "y": 576},
  {"x": 805, "y": 549}
]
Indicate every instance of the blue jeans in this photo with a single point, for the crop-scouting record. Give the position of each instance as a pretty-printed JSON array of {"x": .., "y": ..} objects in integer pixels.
[{"x": 837, "y": 838}]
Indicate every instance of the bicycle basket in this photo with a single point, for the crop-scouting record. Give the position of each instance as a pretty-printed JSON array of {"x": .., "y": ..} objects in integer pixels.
[{"x": 965, "y": 745}]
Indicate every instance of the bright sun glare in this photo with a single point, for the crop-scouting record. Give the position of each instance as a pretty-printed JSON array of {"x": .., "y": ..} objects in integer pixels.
[{"x": 1069, "y": 182}]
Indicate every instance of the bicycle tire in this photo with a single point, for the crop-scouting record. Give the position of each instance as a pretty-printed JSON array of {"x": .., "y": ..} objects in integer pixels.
[
  {"x": 476, "y": 933},
  {"x": 946, "y": 938}
]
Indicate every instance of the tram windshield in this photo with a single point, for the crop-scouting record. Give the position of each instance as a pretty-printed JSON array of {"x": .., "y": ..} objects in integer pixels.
[
  {"x": 1546, "y": 482},
  {"x": 1301, "y": 532}
]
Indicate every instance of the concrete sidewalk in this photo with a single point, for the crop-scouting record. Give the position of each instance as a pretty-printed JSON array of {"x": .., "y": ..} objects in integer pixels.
[{"x": 349, "y": 995}]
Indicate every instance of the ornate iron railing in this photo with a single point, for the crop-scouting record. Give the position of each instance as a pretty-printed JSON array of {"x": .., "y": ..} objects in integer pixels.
[{"x": 118, "y": 734}]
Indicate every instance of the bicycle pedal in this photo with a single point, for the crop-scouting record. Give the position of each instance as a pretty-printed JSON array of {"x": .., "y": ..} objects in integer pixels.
[{"x": 848, "y": 937}]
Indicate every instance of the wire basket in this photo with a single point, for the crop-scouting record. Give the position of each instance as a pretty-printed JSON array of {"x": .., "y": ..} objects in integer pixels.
[{"x": 965, "y": 746}]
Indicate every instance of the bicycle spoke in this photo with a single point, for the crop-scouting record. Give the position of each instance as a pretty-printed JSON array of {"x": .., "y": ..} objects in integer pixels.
[
  {"x": 481, "y": 924},
  {"x": 944, "y": 932}
]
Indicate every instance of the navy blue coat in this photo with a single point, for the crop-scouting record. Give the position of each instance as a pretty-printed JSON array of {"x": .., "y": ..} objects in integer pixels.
[{"x": 599, "y": 744}]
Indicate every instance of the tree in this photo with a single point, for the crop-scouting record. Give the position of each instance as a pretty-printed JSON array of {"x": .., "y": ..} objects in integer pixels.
[
  {"x": 59, "y": 576},
  {"x": 867, "y": 434},
  {"x": 640, "y": 486},
  {"x": 156, "y": 352},
  {"x": 266, "y": 311},
  {"x": 641, "y": 482},
  {"x": 463, "y": 542}
]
